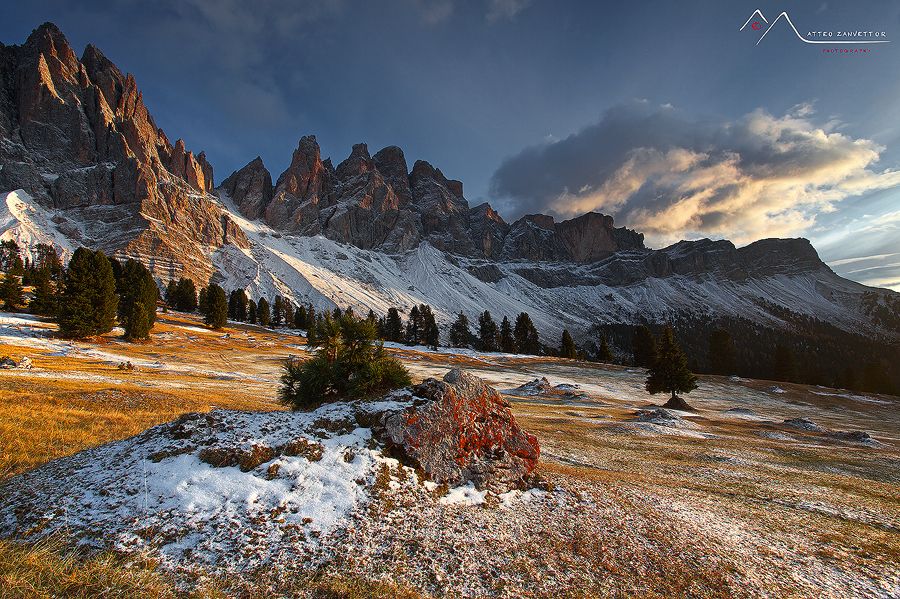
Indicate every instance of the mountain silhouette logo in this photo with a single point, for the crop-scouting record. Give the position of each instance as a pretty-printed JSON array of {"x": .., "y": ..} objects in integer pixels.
[{"x": 757, "y": 18}]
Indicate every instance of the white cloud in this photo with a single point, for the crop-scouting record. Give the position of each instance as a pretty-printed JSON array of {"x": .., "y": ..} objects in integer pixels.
[{"x": 505, "y": 9}]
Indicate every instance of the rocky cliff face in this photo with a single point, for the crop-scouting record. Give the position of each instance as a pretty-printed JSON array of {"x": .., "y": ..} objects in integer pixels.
[
  {"x": 76, "y": 135},
  {"x": 376, "y": 202}
]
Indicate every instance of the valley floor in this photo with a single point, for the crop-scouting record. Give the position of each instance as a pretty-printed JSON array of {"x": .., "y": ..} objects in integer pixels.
[{"x": 767, "y": 490}]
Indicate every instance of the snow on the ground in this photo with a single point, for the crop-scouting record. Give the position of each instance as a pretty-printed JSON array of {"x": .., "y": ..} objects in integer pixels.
[
  {"x": 28, "y": 223},
  {"x": 464, "y": 495}
]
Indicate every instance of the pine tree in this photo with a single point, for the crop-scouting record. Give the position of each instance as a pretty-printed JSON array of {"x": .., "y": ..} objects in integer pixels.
[
  {"x": 460, "y": 335},
  {"x": 430, "y": 332},
  {"x": 300, "y": 321},
  {"x": 137, "y": 300},
  {"x": 669, "y": 373},
  {"x": 644, "y": 347},
  {"x": 89, "y": 301},
  {"x": 603, "y": 352},
  {"x": 288, "y": 313},
  {"x": 721, "y": 352},
  {"x": 263, "y": 316},
  {"x": 11, "y": 293},
  {"x": 507, "y": 341},
  {"x": 172, "y": 293},
  {"x": 237, "y": 305},
  {"x": 784, "y": 365},
  {"x": 488, "y": 334},
  {"x": 278, "y": 311},
  {"x": 526, "y": 335},
  {"x": 567, "y": 347},
  {"x": 46, "y": 295},
  {"x": 9, "y": 256},
  {"x": 216, "y": 315},
  {"x": 414, "y": 326},
  {"x": 251, "y": 312},
  {"x": 311, "y": 317},
  {"x": 186, "y": 296},
  {"x": 393, "y": 325},
  {"x": 203, "y": 300}
]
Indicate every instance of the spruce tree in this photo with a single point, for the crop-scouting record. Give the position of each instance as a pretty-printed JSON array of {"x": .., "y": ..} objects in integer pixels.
[
  {"x": 186, "y": 295},
  {"x": 526, "y": 335},
  {"x": 414, "y": 326},
  {"x": 300, "y": 321},
  {"x": 203, "y": 300},
  {"x": 721, "y": 352},
  {"x": 137, "y": 300},
  {"x": 430, "y": 331},
  {"x": 216, "y": 307},
  {"x": 393, "y": 325},
  {"x": 11, "y": 293},
  {"x": 9, "y": 256},
  {"x": 670, "y": 373},
  {"x": 603, "y": 352},
  {"x": 278, "y": 311},
  {"x": 46, "y": 295},
  {"x": 507, "y": 341},
  {"x": 251, "y": 312},
  {"x": 89, "y": 301},
  {"x": 460, "y": 335},
  {"x": 644, "y": 347},
  {"x": 488, "y": 334},
  {"x": 567, "y": 347},
  {"x": 172, "y": 293},
  {"x": 288, "y": 313},
  {"x": 263, "y": 316}
]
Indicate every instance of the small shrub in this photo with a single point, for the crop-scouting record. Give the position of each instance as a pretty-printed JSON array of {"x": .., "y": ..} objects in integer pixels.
[{"x": 348, "y": 363}]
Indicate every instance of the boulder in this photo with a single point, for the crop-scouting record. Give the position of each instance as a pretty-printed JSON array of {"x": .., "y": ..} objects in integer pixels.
[{"x": 460, "y": 430}]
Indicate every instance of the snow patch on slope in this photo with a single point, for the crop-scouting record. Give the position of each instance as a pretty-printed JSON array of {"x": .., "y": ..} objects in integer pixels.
[{"x": 28, "y": 223}]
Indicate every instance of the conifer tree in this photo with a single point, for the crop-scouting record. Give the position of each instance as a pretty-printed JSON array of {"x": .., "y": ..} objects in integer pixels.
[
  {"x": 393, "y": 325},
  {"x": 643, "y": 347},
  {"x": 460, "y": 335},
  {"x": 526, "y": 335},
  {"x": 414, "y": 326},
  {"x": 603, "y": 352},
  {"x": 300, "y": 318},
  {"x": 137, "y": 300},
  {"x": 203, "y": 300},
  {"x": 186, "y": 295},
  {"x": 278, "y": 311},
  {"x": 89, "y": 301},
  {"x": 670, "y": 373},
  {"x": 46, "y": 294},
  {"x": 288, "y": 313},
  {"x": 488, "y": 334},
  {"x": 567, "y": 347},
  {"x": 11, "y": 293},
  {"x": 216, "y": 315},
  {"x": 263, "y": 316},
  {"x": 251, "y": 312},
  {"x": 721, "y": 352},
  {"x": 311, "y": 316},
  {"x": 507, "y": 341},
  {"x": 171, "y": 293},
  {"x": 10, "y": 258},
  {"x": 430, "y": 332}
]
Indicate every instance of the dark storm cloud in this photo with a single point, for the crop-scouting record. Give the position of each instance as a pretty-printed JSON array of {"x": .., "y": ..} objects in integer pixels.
[{"x": 674, "y": 177}]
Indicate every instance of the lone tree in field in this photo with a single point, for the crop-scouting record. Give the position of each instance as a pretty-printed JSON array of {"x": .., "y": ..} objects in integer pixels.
[
  {"x": 526, "y": 335},
  {"x": 669, "y": 373},
  {"x": 347, "y": 364},
  {"x": 89, "y": 302},
  {"x": 567, "y": 347},
  {"x": 137, "y": 301},
  {"x": 216, "y": 307}
]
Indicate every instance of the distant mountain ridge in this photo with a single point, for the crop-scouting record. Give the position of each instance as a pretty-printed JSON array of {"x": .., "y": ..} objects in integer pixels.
[{"x": 83, "y": 163}]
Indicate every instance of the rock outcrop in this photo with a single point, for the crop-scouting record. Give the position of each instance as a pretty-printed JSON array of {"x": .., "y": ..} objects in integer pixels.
[
  {"x": 375, "y": 202},
  {"x": 462, "y": 432},
  {"x": 75, "y": 134}
]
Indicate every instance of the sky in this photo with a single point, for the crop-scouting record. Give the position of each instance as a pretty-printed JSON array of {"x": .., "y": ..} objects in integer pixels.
[{"x": 664, "y": 114}]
